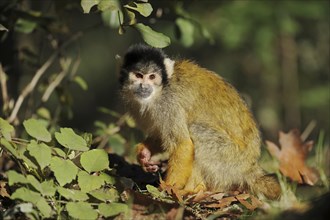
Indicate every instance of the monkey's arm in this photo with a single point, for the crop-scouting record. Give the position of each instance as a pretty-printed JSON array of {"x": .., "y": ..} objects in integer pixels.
[{"x": 144, "y": 152}]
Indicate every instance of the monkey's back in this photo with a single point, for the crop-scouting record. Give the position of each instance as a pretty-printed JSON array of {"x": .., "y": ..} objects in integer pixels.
[{"x": 225, "y": 135}]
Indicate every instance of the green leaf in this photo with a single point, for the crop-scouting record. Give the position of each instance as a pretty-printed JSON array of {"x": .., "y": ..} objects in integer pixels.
[
  {"x": 6, "y": 129},
  {"x": 108, "y": 179},
  {"x": 69, "y": 139},
  {"x": 35, "y": 198},
  {"x": 143, "y": 8},
  {"x": 117, "y": 142},
  {"x": 10, "y": 147},
  {"x": 14, "y": 177},
  {"x": 48, "y": 188},
  {"x": 64, "y": 170},
  {"x": 112, "y": 5},
  {"x": 105, "y": 195},
  {"x": 88, "y": 4},
  {"x": 112, "y": 209},
  {"x": 130, "y": 121},
  {"x": 37, "y": 129},
  {"x": 94, "y": 160},
  {"x": 88, "y": 182},
  {"x": 81, "y": 210},
  {"x": 3, "y": 28},
  {"x": 34, "y": 182},
  {"x": 152, "y": 37},
  {"x": 153, "y": 191},
  {"x": 25, "y": 26},
  {"x": 186, "y": 29},
  {"x": 41, "y": 152},
  {"x": 44, "y": 113},
  {"x": 110, "y": 18},
  {"x": 81, "y": 82},
  {"x": 72, "y": 194},
  {"x": 59, "y": 152}
]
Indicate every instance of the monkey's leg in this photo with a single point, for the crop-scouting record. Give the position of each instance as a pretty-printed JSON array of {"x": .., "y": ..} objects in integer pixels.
[
  {"x": 180, "y": 164},
  {"x": 195, "y": 182}
]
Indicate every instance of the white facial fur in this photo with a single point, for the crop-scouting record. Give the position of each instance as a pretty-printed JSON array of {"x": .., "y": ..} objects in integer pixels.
[{"x": 145, "y": 86}]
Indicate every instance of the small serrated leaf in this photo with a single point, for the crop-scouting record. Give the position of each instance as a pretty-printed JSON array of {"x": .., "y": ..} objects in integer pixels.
[
  {"x": 88, "y": 4},
  {"x": 88, "y": 182},
  {"x": 41, "y": 152},
  {"x": 81, "y": 210},
  {"x": 44, "y": 113},
  {"x": 34, "y": 182},
  {"x": 72, "y": 194},
  {"x": 81, "y": 82},
  {"x": 152, "y": 37},
  {"x": 14, "y": 177},
  {"x": 6, "y": 129},
  {"x": 112, "y": 209},
  {"x": 143, "y": 8},
  {"x": 48, "y": 188},
  {"x": 186, "y": 29},
  {"x": 105, "y": 195},
  {"x": 153, "y": 191},
  {"x": 64, "y": 170},
  {"x": 112, "y": 5},
  {"x": 94, "y": 160},
  {"x": 35, "y": 198},
  {"x": 69, "y": 139},
  {"x": 37, "y": 129}
]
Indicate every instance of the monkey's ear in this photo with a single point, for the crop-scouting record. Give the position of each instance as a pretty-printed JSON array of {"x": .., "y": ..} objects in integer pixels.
[{"x": 169, "y": 66}]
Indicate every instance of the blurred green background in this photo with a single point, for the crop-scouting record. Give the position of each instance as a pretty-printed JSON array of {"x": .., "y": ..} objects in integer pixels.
[{"x": 276, "y": 53}]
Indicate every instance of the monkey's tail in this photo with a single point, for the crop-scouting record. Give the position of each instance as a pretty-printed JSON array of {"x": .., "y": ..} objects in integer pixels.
[{"x": 267, "y": 185}]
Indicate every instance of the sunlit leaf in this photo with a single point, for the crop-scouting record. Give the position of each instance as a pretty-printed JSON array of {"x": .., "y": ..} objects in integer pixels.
[
  {"x": 34, "y": 182},
  {"x": 14, "y": 177},
  {"x": 89, "y": 182},
  {"x": 69, "y": 139},
  {"x": 72, "y": 194},
  {"x": 152, "y": 37},
  {"x": 41, "y": 152},
  {"x": 3, "y": 28},
  {"x": 105, "y": 195},
  {"x": 81, "y": 210},
  {"x": 64, "y": 170},
  {"x": 186, "y": 29},
  {"x": 112, "y": 5},
  {"x": 35, "y": 198},
  {"x": 5, "y": 129},
  {"x": 94, "y": 160},
  {"x": 112, "y": 209},
  {"x": 144, "y": 8},
  {"x": 25, "y": 26},
  {"x": 153, "y": 191},
  {"x": 48, "y": 188},
  {"x": 37, "y": 129},
  {"x": 88, "y": 4},
  {"x": 44, "y": 113},
  {"x": 81, "y": 82}
]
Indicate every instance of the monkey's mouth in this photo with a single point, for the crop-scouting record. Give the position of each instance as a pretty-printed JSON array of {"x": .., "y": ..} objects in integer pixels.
[{"x": 143, "y": 93}]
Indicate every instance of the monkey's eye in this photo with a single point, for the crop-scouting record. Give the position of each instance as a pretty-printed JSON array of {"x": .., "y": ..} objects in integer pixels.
[
  {"x": 139, "y": 75},
  {"x": 152, "y": 76}
]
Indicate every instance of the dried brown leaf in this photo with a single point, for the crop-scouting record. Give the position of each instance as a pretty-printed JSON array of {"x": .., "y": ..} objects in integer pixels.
[
  {"x": 255, "y": 203},
  {"x": 292, "y": 155},
  {"x": 222, "y": 203}
]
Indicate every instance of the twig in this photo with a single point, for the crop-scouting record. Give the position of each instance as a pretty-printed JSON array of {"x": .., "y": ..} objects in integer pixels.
[
  {"x": 308, "y": 130},
  {"x": 30, "y": 87},
  {"x": 4, "y": 91}
]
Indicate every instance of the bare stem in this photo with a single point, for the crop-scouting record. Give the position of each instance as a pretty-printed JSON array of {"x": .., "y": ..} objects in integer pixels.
[
  {"x": 41, "y": 71},
  {"x": 4, "y": 91}
]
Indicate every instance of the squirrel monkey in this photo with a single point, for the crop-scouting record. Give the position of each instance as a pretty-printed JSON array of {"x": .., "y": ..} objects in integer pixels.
[{"x": 198, "y": 118}]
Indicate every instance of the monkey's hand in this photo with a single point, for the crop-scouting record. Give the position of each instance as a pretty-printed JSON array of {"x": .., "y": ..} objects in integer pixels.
[{"x": 144, "y": 158}]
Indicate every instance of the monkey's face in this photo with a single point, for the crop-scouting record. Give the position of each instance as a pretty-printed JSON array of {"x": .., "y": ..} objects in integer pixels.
[{"x": 144, "y": 84}]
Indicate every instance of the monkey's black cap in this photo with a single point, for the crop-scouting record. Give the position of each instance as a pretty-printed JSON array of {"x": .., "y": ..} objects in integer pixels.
[{"x": 145, "y": 55}]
